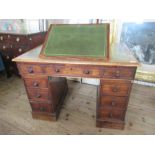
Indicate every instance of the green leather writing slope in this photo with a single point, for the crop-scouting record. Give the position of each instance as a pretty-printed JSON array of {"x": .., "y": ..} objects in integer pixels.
[{"x": 87, "y": 41}]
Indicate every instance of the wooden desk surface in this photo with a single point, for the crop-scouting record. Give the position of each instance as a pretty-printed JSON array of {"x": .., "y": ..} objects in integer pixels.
[{"x": 119, "y": 56}]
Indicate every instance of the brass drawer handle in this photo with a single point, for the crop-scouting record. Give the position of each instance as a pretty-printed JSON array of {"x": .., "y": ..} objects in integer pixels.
[
  {"x": 35, "y": 84},
  {"x": 57, "y": 70},
  {"x": 30, "y": 70},
  {"x": 38, "y": 96},
  {"x": 86, "y": 71}
]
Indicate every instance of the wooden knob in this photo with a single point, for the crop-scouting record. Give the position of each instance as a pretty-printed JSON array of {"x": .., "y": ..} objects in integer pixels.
[
  {"x": 117, "y": 74},
  {"x": 35, "y": 84},
  {"x": 115, "y": 89},
  {"x": 57, "y": 70},
  {"x": 30, "y": 70},
  {"x": 38, "y": 96},
  {"x": 86, "y": 71},
  {"x": 113, "y": 103}
]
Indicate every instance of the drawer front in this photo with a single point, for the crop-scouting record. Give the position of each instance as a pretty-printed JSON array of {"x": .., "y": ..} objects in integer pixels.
[
  {"x": 112, "y": 114},
  {"x": 41, "y": 107},
  {"x": 79, "y": 71},
  {"x": 113, "y": 102},
  {"x": 118, "y": 72},
  {"x": 36, "y": 82},
  {"x": 38, "y": 94},
  {"x": 115, "y": 88},
  {"x": 30, "y": 69}
]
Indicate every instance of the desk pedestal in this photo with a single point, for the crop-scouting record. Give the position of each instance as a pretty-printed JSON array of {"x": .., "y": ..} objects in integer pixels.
[{"x": 46, "y": 89}]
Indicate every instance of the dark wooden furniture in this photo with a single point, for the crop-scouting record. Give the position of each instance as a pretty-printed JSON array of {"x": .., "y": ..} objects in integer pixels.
[
  {"x": 78, "y": 51},
  {"x": 13, "y": 45},
  {"x": 116, "y": 77}
]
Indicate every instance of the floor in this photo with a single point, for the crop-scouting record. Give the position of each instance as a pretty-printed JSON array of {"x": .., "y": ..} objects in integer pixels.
[{"x": 78, "y": 113}]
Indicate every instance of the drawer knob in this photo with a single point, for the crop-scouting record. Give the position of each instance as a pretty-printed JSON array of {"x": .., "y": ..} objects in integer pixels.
[
  {"x": 38, "y": 96},
  {"x": 111, "y": 115},
  {"x": 57, "y": 70},
  {"x": 30, "y": 70},
  {"x": 35, "y": 84},
  {"x": 117, "y": 74},
  {"x": 86, "y": 71},
  {"x": 115, "y": 89},
  {"x": 113, "y": 103}
]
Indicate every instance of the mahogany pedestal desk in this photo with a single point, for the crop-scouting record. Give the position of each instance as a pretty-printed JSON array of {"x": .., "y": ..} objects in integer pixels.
[{"x": 46, "y": 84}]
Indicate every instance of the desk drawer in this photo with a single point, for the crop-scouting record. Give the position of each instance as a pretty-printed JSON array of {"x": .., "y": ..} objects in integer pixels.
[
  {"x": 69, "y": 70},
  {"x": 113, "y": 102},
  {"x": 115, "y": 88},
  {"x": 112, "y": 114},
  {"x": 118, "y": 72},
  {"x": 41, "y": 107},
  {"x": 35, "y": 94},
  {"x": 36, "y": 82},
  {"x": 30, "y": 69}
]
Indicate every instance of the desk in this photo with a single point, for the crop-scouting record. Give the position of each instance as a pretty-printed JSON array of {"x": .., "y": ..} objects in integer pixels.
[{"x": 46, "y": 91}]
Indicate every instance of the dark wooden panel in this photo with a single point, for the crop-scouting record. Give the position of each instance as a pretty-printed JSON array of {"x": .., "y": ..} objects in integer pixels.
[
  {"x": 110, "y": 124},
  {"x": 41, "y": 82},
  {"x": 114, "y": 102},
  {"x": 30, "y": 69},
  {"x": 111, "y": 114},
  {"x": 41, "y": 107},
  {"x": 115, "y": 88},
  {"x": 72, "y": 70},
  {"x": 119, "y": 72},
  {"x": 35, "y": 94}
]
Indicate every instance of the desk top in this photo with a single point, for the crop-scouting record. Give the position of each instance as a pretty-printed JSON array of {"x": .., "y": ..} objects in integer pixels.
[
  {"x": 77, "y": 40},
  {"x": 119, "y": 56}
]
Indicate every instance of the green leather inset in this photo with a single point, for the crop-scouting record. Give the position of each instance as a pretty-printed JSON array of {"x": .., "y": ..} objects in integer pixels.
[{"x": 77, "y": 40}]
